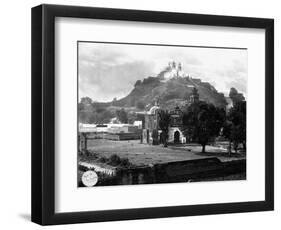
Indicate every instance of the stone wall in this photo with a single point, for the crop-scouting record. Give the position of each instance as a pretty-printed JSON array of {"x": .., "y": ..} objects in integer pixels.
[{"x": 180, "y": 171}]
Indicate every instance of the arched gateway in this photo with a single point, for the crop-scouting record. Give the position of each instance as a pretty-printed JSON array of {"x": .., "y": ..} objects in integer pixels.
[{"x": 176, "y": 137}]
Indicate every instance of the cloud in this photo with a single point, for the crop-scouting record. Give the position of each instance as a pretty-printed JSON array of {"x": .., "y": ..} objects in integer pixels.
[
  {"x": 110, "y": 70},
  {"x": 234, "y": 76},
  {"x": 105, "y": 74}
]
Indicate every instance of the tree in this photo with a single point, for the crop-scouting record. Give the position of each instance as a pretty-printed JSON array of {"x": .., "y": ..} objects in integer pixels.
[
  {"x": 122, "y": 116},
  {"x": 202, "y": 122},
  {"x": 235, "y": 96},
  {"x": 164, "y": 124},
  {"x": 114, "y": 101},
  {"x": 235, "y": 126},
  {"x": 86, "y": 110},
  {"x": 104, "y": 116},
  {"x": 132, "y": 117},
  {"x": 86, "y": 101}
]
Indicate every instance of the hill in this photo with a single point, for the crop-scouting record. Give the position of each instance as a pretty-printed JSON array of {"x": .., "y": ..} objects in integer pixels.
[
  {"x": 170, "y": 87},
  {"x": 171, "y": 92}
]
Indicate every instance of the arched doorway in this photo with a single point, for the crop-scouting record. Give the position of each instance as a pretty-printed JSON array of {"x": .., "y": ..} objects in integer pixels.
[
  {"x": 161, "y": 138},
  {"x": 176, "y": 137}
]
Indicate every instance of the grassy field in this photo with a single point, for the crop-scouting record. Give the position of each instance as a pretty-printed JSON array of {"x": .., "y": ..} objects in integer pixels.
[{"x": 144, "y": 154}]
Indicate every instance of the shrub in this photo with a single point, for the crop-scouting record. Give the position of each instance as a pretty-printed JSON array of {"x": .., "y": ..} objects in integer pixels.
[
  {"x": 125, "y": 162},
  {"x": 103, "y": 159},
  {"x": 114, "y": 160}
]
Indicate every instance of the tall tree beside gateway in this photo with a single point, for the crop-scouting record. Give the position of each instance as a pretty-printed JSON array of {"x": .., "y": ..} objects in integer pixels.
[
  {"x": 202, "y": 122},
  {"x": 164, "y": 124}
]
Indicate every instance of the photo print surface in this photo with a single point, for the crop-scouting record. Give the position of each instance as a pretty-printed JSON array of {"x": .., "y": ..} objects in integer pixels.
[{"x": 150, "y": 113}]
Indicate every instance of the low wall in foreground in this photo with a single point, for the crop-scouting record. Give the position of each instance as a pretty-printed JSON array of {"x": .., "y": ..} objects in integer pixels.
[{"x": 179, "y": 171}]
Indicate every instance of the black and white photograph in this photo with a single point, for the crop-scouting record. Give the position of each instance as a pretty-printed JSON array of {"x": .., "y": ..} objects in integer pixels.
[
  {"x": 142, "y": 114},
  {"x": 151, "y": 113}
]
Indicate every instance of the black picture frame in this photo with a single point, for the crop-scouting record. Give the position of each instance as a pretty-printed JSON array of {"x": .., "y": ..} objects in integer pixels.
[{"x": 43, "y": 114}]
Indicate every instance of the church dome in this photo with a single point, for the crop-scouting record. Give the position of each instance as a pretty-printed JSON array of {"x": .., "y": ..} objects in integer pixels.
[{"x": 153, "y": 109}]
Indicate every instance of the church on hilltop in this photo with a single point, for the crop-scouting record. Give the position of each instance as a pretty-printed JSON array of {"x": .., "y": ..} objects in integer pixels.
[{"x": 173, "y": 70}]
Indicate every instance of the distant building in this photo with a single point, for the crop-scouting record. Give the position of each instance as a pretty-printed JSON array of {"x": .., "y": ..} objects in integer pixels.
[
  {"x": 108, "y": 128},
  {"x": 110, "y": 131},
  {"x": 175, "y": 134},
  {"x": 150, "y": 125},
  {"x": 174, "y": 70},
  {"x": 138, "y": 124}
]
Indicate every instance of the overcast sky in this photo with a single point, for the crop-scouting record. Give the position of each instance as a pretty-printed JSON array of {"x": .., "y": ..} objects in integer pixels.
[{"x": 111, "y": 70}]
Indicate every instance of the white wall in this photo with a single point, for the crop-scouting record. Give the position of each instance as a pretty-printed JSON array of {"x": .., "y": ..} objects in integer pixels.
[{"x": 15, "y": 114}]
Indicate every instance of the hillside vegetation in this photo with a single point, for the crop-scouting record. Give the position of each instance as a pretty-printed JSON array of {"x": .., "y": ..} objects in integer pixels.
[{"x": 170, "y": 93}]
